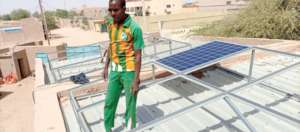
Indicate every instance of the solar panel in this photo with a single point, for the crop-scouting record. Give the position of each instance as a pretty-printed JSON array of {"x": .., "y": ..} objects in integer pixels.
[{"x": 201, "y": 55}]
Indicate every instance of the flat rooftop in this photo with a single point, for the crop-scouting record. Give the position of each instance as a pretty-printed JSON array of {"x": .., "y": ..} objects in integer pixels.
[
  {"x": 163, "y": 99},
  {"x": 217, "y": 97}
]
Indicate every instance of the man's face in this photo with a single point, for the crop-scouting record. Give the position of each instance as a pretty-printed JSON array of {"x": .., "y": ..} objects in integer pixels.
[{"x": 116, "y": 11}]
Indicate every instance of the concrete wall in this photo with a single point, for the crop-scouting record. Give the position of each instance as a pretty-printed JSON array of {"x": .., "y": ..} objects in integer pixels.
[
  {"x": 219, "y": 5},
  {"x": 6, "y": 65},
  {"x": 51, "y": 50},
  {"x": 31, "y": 31},
  {"x": 39, "y": 73},
  {"x": 21, "y": 64},
  {"x": 18, "y": 65},
  {"x": 93, "y": 12},
  {"x": 24, "y": 58},
  {"x": 177, "y": 21},
  {"x": 156, "y": 7}
]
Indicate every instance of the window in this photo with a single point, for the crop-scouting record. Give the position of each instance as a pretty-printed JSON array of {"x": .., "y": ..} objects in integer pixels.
[{"x": 139, "y": 11}]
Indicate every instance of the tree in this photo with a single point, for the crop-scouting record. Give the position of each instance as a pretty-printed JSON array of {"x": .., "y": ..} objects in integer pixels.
[
  {"x": 72, "y": 14},
  {"x": 50, "y": 19},
  {"x": 275, "y": 19},
  {"x": 36, "y": 14},
  {"x": 62, "y": 13},
  {"x": 19, "y": 14},
  {"x": 5, "y": 17}
]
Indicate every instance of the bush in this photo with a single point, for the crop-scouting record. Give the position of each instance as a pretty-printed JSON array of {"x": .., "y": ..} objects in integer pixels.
[
  {"x": 274, "y": 19},
  {"x": 19, "y": 14},
  {"x": 16, "y": 15},
  {"x": 50, "y": 19}
]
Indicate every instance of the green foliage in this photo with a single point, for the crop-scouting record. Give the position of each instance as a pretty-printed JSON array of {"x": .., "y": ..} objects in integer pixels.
[
  {"x": 72, "y": 14},
  {"x": 36, "y": 14},
  {"x": 16, "y": 15},
  {"x": 62, "y": 13},
  {"x": 19, "y": 14},
  {"x": 65, "y": 14},
  {"x": 275, "y": 19},
  {"x": 5, "y": 17},
  {"x": 50, "y": 19}
]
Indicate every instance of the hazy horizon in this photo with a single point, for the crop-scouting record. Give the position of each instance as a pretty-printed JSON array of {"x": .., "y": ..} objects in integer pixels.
[{"x": 6, "y": 6}]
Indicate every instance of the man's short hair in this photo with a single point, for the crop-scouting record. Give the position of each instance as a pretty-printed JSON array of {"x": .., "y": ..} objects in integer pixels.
[{"x": 122, "y": 2}]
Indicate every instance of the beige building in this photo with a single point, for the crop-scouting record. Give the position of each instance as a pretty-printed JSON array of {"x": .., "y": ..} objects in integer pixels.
[
  {"x": 92, "y": 12},
  {"x": 98, "y": 25},
  {"x": 219, "y": 5},
  {"x": 20, "y": 60},
  {"x": 15, "y": 63},
  {"x": 28, "y": 31},
  {"x": 154, "y": 7}
]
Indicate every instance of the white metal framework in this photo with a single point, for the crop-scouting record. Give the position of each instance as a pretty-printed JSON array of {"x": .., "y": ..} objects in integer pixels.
[{"x": 223, "y": 94}]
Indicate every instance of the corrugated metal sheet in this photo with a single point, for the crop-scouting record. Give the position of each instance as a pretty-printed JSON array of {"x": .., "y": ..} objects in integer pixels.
[{"x": 161, "y": 100}]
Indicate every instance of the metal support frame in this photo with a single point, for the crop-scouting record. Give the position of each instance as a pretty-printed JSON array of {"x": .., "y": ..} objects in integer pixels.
[
  {"x": 153, "y": 72},
  {"x": 97, "y": 58},
  {"x": 155, "y": 50},
  {"x": 278, "y": 52},
  {"x": 143, "y": 86},
  {"x": 81, "y": 109},
  {"x": 79, "y": 62},
  {"x": 251, "y": 65},
  {"x": 222, "y": 94},
  {"x": 269, "y": 87},
  {"x": 162, "y": 52},
  {"x": 79, "y": 117},
  {"x": 51, "y": 75},
  {"x": 170, "y": 47},
  {"x": 240, "y": 114}
]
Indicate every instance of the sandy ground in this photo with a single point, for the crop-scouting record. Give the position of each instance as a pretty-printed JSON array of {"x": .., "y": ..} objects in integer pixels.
[
  {"x": 16, "y": 106},
  {"x": 16, "y": 102},
  {"x": 75, "y": 36}
]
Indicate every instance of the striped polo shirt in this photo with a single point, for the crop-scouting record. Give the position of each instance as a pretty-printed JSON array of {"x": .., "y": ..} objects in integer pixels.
[{"x": 124, "y": 40}]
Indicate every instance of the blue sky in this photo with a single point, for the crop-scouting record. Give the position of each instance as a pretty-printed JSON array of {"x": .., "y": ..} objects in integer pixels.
[{"x": 32, "y": 5}]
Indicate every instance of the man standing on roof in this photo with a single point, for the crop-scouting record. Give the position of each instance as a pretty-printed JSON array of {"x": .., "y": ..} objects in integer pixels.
[{"x": 124, "y": 59}]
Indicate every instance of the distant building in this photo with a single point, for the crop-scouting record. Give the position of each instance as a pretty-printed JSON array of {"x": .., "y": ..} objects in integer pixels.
[
  {"x": 28, "y": 31},
  {"x": 98, "y": 25},
  {"x": 92, "y": 12},
  {"x": 89, "y": 18},
  {"x": 153, "y": 7},
  {"x": 190, "y": 7},
  {"x": 219, "y": 5}
]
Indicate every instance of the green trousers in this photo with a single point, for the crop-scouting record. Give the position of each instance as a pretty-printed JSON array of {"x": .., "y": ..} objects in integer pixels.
[{"x": 117, "y": 82}]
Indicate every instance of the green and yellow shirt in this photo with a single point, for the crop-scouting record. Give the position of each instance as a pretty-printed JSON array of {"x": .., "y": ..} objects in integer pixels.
[{"x": 124, "y": 40}]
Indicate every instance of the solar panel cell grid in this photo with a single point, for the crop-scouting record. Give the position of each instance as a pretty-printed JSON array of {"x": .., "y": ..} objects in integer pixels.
[{"x": 201, "y": 55}]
